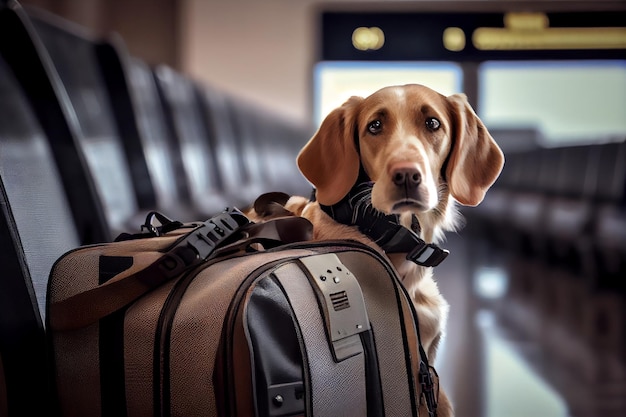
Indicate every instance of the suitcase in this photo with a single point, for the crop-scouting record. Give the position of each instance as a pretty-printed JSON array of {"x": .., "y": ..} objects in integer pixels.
[{"x": 233, "y": 318}]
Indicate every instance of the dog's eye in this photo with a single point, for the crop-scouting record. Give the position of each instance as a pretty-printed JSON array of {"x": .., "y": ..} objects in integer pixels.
[
  {"x": 375, "y": 127},
  {"x": 432, "y": 124}
]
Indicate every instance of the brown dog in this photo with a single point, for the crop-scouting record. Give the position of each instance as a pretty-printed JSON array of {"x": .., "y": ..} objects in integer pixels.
[{"x": 423, "y": 152}]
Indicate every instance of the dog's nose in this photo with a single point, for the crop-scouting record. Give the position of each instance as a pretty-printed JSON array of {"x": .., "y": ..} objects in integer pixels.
[{"x": 407, "y": 177}]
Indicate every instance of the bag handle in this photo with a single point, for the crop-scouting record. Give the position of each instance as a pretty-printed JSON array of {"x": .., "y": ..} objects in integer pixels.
[
  {"x": 194, "y": 248},
  {"x": 150, "y": 229}
]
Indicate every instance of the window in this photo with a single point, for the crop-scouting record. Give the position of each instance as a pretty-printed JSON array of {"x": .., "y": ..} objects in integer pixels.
[
  {"x": 335, "y": 82},
  {"x": 566, "y": 102}
]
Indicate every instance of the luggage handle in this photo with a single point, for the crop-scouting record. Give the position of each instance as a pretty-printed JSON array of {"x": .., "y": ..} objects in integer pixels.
[
  {"x": 150, "y": 229},
  {"x": 198, "y": 246}
]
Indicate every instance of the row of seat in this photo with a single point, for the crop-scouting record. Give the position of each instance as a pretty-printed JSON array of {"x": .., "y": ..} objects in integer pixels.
[
  {"x": 558, "y": 215},
  {"x": 91, "y": 140},
  {"x": 565, "y": 205}
]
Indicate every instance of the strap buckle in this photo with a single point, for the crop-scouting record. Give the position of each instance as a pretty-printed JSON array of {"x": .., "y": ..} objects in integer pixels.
[
  {"x": 200, "y": 243},
  {"x": 427, "y": 254},
  {"x": 213, "y": 232},
  {"x": 428, "y": 389},
  {"x": 418, "y": 251}
]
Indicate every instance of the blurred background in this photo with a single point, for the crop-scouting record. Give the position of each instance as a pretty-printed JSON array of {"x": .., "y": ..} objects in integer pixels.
[{"x": 536, "y": 279}]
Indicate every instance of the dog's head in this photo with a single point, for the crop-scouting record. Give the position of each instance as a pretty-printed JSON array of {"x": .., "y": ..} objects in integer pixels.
[{"x": 411, "y": 141}]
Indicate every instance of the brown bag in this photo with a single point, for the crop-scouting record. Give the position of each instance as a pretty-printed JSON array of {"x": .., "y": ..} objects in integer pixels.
[{"x": 172, "y": 325}]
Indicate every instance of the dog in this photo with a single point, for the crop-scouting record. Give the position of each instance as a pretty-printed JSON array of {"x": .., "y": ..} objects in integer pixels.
[{"x": 421, "y": 153}]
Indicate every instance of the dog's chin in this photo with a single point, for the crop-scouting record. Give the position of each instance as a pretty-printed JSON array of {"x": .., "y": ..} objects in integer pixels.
[
  {"x": 408, "y": 205},
  {"x": 397, "y": 201}
]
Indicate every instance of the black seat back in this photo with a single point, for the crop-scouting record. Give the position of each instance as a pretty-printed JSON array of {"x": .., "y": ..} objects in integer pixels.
[
  {"x": 155, "y": 160},
  {"x": 74, "y": 57},
  {"x": 611, "y": 178},
  {"x": 111, "y": 61},
  {"x": 162, "y": 154},
  {"x": 185, "y": 119},
  {"x": 283, "y": 141},
  {"x": 30, "y": 63},
  {"x": 250, "y": 139},
  {"x": 577, "y": 171},
  {"x": 36, "y": 227},
  {"x": 225, "y": 142},
  {"x": 268, "y": 146}
]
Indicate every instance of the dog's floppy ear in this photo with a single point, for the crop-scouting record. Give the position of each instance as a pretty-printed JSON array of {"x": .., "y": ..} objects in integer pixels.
[
  {"x": 330, "y": 160},
  {"x": 475, "y": 159}
]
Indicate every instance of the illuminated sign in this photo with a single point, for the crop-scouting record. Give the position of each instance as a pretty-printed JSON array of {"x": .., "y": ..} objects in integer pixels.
[
  {"x": 472, "y": 36},
  {"x": 527, "y": 31},
  {"x": 365, "y": 39}
]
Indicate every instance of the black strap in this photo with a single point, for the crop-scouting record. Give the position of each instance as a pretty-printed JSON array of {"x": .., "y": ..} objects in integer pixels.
[
  {"x": 356, "y": 209},
  {"x": 189, "y": 251},
  {"x": 427, "y": 384}
]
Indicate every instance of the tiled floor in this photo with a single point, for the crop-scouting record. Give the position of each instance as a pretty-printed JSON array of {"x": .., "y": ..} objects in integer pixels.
[{"x": 494, "y": 369}]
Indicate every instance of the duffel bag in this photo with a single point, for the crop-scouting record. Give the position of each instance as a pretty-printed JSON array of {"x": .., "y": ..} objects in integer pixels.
[{"x": 233, "y": 318}]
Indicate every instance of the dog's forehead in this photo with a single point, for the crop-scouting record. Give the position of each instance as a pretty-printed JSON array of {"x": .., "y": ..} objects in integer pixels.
[{"x": 404, "y": 98}]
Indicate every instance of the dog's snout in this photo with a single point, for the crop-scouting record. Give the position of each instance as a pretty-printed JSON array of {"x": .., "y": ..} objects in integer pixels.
[{"x": 407, "y": 177}]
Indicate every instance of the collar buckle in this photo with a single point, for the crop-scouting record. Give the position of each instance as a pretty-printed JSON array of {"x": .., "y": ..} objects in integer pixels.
[
  {"x": 418, "y": 251},
  {"x": 427, "y": 254}
]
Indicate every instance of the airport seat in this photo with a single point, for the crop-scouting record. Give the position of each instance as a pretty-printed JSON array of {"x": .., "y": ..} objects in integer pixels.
[
  {"x": 602, "y": 328},
  {"x": 609, "y": 228},
  {"x": 184, "y": 118},
  {"x": 569, "y": 213},
  {"x": 491, "y": 218},
  {"x": 566, "y": 289},
  {"x": 527, "y": 204},
  {"x": 216, "y": 109},
  {"x": 107, "y": 54},
  {"x": 154, "y": 157},
  {"x": 36, "y": 227},
  {"x": 244, "y": 150},
  {"x": 74, "y": 57},
  {"x": 283, "y": 141},
  {"x": 556, "y": 203},
  {"x": 528, "y": 187},
  {"x": 268, "y": 149},
  {"x": 553, "y": 208},
  {"x": 29, "y": 61}
]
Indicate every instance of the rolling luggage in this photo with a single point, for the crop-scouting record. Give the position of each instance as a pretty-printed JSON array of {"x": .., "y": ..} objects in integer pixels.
[{"x": 233, "y": 318}]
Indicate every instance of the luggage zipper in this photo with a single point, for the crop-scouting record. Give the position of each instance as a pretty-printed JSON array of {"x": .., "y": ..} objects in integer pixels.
[
  {"x": 239, "y": 295},
  {"x": 229, "y": 328},
  {"x": 161, "y": 353},
  {"x": 377, "y": 407}
]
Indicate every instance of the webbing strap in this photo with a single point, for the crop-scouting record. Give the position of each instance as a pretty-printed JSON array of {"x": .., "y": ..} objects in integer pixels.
[
  {"x": 89, "y": 306},
  {"x": 356, "y": 210}
]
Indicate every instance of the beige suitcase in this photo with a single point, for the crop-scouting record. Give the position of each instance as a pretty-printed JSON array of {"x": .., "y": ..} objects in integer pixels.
[{"x": 232, "y": 318}]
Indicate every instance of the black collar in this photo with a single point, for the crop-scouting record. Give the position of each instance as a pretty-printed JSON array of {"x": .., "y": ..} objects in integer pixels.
[{"x": 356, "y": 209}]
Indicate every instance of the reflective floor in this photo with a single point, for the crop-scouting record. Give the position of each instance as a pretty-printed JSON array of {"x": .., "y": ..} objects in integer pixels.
[{"x": 504, "y": 358}]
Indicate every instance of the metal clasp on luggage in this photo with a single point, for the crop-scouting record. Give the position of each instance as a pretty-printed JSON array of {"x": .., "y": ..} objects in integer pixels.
[{"x": 343, "y": 303}]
